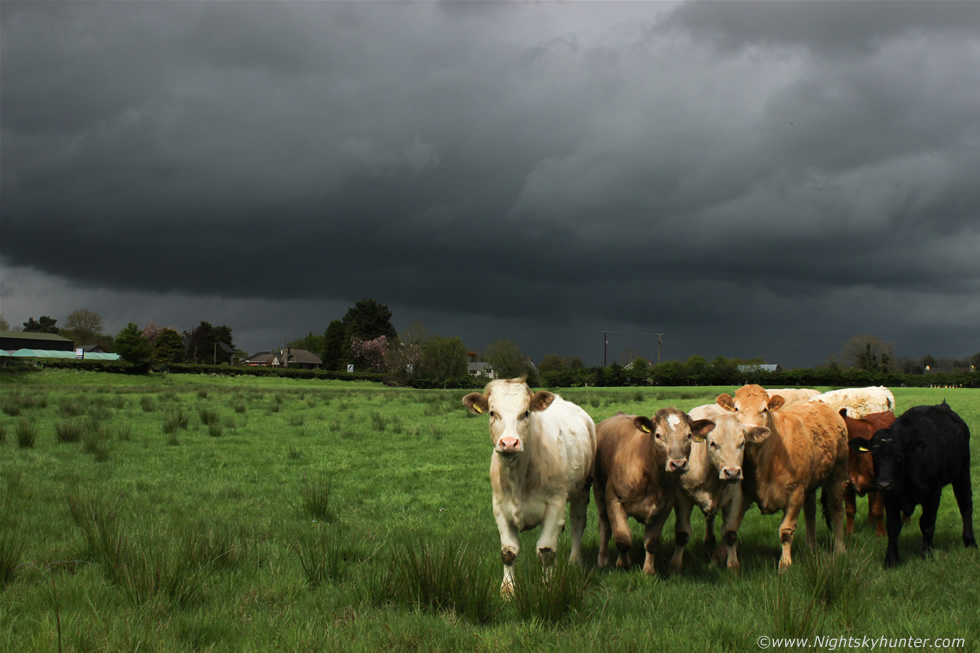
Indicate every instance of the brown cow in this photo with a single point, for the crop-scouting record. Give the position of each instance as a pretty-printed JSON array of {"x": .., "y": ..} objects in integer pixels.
[
  {"x": 806, "y": 450},
  {"x": 638, "y": 462},
  {"x": 861, "y": 469}
]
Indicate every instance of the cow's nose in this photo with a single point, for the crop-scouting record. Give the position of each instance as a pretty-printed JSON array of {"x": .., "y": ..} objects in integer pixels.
[
  {"x": 732, "y": 473},
  {"x": 509, "y": 445},
  {"x": 884, "y": 485},
  {"x": 673, "y": 464}
]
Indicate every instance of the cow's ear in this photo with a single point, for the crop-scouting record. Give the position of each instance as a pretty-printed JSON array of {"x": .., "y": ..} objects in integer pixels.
[
  {"x": 757, "y": 434},
  {"x": 726, "y": 402},
  {"x": 776, "y": 402},
  {"x": 476, "y": 403},
  {"x": 860, "y": 445},
  {"x": 843, "y": 412},
  {"x": 541, "y": 400},
  {"x": 643, "y": 424},
  {"x": 701, "y": 428}
]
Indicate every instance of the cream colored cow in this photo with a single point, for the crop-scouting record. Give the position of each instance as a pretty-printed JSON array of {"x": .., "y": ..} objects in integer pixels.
[{"x": 543, "y": 457}]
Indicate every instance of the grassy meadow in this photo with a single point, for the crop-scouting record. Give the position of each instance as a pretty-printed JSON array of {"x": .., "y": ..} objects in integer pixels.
[{"x": 185, "y": 513}]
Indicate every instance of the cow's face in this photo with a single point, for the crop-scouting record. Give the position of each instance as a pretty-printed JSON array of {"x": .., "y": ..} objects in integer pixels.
[
  {"x": 509, "y": 405},
  {"x": 751, "y": 405},
  {"x": 726, "y": 445},
  {"x": 887, "y": 455},
  {"x": 860, "y": 465},
  {"x": 676, "y": 431}
]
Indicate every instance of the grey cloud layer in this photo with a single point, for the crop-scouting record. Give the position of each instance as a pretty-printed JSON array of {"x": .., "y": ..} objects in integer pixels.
[{"x": 566, "y": 162}]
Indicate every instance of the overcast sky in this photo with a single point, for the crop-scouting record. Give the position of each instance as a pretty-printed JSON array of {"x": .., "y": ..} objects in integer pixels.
[{"x": 747, "y": 178}]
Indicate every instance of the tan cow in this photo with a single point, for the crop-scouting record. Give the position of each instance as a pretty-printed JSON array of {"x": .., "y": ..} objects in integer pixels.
[
  {"x": 792, "y": 395},
  {"x": 713, "y": 482},
  {"x": 807, "y": 449},
  {"x": 638, "y": 462},
  {"x": 543, "y": 457}
]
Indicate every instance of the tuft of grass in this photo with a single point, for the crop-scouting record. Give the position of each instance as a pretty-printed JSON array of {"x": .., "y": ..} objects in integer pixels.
[
  {"x": 11, "y": 404},
  {"x": 147, "y": 404},
  {"x": 96, "y": 442},
  {"x": 175, "y": 420},
  {"x": 69, "y": 408},
  {"x": 239, "y": 407},
  {"x": 26, "y": 434},
  {"x": 437, "y": 431},
  {"x": 293, "y": 453},
  {"x": 13, "y": 541},
  {"x": 69, "y": 430},
  {"x": 444, "y": 577},
  {"x": 315, "y": 497},
  {"x": 296, "y": 419},
  {"x": 3, "y": 433},
  {"x": 551, "y": 594},
  {"x": 216, "y": 430},
  {"x": 325, "y": 554},
  {"x": 208, "y": 416},
  {"x": 124, "y": 431}
]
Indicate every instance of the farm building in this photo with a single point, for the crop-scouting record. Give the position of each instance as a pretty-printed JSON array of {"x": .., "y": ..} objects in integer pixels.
[
  {"x": 13, "y": 340},
  {"x": 297, "y": 358},
  {"x": 763, "y": 367},
  {"x": 480, "y": 369}
]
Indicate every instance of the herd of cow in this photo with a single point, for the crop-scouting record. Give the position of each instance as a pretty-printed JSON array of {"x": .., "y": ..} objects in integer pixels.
[{"x": 771, "y": 448}]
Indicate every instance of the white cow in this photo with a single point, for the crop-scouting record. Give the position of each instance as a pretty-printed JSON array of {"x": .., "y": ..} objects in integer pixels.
[
  {"x": 792, "y": 395},
  {"x": 543, "y": 457},
  {"x": 859, "y": 402},
  {"x": 713, "y": 482}
]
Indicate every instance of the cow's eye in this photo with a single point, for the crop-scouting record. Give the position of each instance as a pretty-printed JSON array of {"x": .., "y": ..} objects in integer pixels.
[
  {"x": 715, "y": 445},
  {"x": 493, "y": 414},
  {"x": 659, "y": 436},
  {"x": 527, "y": 414}
]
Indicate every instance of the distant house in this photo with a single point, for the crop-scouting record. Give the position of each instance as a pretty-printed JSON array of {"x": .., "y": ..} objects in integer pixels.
[
  {"x": 291, "y": 357},
  {"x": 480, "y": 369},
  {"x": 763, "y": 367},
  {"x": 13, "y": 340},
  {"x": 92, "y": 349}
]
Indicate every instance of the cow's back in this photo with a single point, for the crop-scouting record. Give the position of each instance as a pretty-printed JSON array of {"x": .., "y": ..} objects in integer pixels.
[
  {"x": 940, "y": 440},
  {"x": 814, "y": 435},
  {"x": 569, "y": 435},
  {"x": 618, "y": 452}
]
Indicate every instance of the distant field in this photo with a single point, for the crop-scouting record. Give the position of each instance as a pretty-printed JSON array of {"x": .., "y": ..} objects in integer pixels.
[{"x": 177, "y": 513}]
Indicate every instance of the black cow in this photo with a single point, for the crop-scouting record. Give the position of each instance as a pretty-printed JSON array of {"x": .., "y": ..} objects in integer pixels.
[{"x": 924, "y": 450}]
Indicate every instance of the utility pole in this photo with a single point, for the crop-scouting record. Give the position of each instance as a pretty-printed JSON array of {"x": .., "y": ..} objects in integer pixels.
[
  {"x": 660, "y": 339},
  {"x": 605, "y": 341}
]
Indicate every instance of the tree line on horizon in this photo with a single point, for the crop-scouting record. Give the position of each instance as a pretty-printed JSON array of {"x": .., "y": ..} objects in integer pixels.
[{"x": 366, "y": 338}]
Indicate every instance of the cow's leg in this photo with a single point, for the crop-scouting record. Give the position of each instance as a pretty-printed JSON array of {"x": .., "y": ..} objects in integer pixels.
[
  {"x": 927, "y": 522},
  {"x": 605, "y": 531},
  {"x": 578, "y": 515},
  {"x": 876, "y": 512},
  {"x": 731, "y": 520},
  {"x": 963, "y": 491},
  {"x": 810, "y": 517},
  {"x": 551, "y": 527},
  {"x": 621, "y": 533},
  {"x": 682, "y": 530},
  {"x": 850, "y": 507},
  {"x": 510, "y": 546},
  {"x": 651, "y": 538},
  {"x": 893, "y": 525},
  {"x": 709, "y": 530},
  {"x": 787, "y": 528},
  {"x": 835, "y": 506}
]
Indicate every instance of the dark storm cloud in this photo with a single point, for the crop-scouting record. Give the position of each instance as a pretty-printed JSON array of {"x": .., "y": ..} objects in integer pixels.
[{"x": 700, "y": 168}]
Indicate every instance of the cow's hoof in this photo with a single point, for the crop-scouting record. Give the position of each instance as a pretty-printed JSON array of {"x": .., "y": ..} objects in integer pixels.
[
  {"x": 891, "y": 562},
  {"x": 970, "y": 542}
]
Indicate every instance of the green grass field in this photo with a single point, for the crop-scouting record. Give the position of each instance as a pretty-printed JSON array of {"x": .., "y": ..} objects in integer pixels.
[{"x": 184, "y": 513}]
